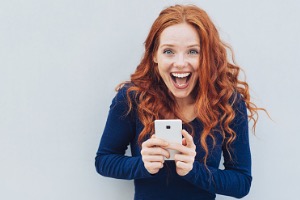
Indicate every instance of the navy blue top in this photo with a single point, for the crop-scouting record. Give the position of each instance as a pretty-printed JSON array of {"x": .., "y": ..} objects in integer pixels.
[{"x": 122, "y": 130}]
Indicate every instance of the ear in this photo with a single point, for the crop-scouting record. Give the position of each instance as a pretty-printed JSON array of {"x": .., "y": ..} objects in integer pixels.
[{"x": 154, "y": 58}]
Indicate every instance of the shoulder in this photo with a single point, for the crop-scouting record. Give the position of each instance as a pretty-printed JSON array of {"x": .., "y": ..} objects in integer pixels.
[
  {"x": 123, "y": 92},
  {"x": 240, "y": 109},
  {"x": 238, "y": 103},
  {"x": 124, "y": 99}
]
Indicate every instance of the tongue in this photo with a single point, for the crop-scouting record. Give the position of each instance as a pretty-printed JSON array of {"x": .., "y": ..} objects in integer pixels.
[{"x": 181, "y": 81}]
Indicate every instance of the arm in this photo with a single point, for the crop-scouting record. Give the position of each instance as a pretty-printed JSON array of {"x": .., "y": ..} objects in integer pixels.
[
  {"x": 235, "y": 179},
  {"x": 119, "y": 131}
]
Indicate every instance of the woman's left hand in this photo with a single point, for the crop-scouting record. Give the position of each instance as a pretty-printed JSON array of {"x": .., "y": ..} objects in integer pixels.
[{"x": 185, "y": 159}]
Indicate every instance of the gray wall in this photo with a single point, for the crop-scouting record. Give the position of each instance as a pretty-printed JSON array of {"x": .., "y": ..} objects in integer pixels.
[{"x": 60, "y": 61}]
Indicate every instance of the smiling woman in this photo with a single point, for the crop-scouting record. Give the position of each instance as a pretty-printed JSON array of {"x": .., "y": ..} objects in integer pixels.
[
  {"x": 185, "y": 75},
  {"x": 177, "y": 59}
]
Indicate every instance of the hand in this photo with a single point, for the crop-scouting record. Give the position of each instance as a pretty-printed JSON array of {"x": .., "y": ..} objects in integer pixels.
[
  {"x": 185, "y": 160},
  {"x": 153, "y": 153}
]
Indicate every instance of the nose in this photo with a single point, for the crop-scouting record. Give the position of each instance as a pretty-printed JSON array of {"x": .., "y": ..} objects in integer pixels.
[{"x": 180, "y": 61}]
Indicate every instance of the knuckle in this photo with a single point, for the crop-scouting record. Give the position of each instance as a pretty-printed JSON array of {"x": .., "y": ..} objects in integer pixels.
[
  {"x": 143, "y": 159},
  {"x": 144, "y": 152},
  {"x": 146, "y": 165},
  {"x": 178, "y": 164},
  {"x": 144, "y": 144},
  {"x": 188, "y": 136},
  {"x": 191, "y": 159},
  {"x": 162, "y": 165},
  {"x": 192, "y": 153},
  {"x": 188, "y": 159},
  {"x": 161, "y": 152},
  {"x": 146, "y": 159}
]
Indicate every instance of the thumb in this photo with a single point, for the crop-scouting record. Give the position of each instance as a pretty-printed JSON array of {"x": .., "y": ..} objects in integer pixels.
[{"x": 188, "y": 139}]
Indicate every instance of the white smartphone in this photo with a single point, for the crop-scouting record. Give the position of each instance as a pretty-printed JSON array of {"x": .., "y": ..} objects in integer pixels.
[{"x": 170, "y": 131}]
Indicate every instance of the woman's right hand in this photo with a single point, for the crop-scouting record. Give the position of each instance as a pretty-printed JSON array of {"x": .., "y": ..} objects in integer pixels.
[{"x": 153, "y": 154}]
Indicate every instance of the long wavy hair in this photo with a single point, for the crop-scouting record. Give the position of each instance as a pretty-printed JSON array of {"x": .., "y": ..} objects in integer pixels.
[{"x": 214, "y": 92}]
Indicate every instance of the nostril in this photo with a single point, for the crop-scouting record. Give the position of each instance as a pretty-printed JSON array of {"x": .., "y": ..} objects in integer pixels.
[{"x": 180, "y": 65}]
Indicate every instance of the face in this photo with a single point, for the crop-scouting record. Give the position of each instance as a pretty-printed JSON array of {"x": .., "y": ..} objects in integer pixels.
[{"x": 177, "y": 58}]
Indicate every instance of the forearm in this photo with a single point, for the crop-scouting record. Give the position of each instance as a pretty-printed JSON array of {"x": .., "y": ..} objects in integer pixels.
[
  {"x": 226, "y": 182},
  {"x": 120, "y": 166}
]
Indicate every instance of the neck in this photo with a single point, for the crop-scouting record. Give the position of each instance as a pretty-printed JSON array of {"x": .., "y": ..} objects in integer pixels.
[
  {"x": 187, "y": 108},
  {"x": 183, "y": 102}
]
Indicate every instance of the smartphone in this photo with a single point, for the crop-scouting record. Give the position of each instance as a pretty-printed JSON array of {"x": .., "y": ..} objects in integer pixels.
[{"x": 170, "y": 131}]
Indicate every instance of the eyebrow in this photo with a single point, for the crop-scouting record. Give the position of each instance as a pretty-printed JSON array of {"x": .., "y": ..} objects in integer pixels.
[{"x": 189, "y": 46}]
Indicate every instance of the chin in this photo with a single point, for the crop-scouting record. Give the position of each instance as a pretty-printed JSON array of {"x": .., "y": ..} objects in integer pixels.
[{"x": 181, "y": 95}]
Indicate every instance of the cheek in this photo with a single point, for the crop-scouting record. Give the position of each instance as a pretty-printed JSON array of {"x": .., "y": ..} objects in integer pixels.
[
  {"x": 164, "y": 74},
  {"x": 163, "y": 69},
  {"x": 159, "y": 72},
  {"x": 196, "y": 71},
  {"x": 196, "y": 65}
]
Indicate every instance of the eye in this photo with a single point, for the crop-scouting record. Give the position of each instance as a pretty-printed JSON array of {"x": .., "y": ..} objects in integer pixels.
[
  {"x": 168, "y": 51},
  {"x": 193, "y": 51}
]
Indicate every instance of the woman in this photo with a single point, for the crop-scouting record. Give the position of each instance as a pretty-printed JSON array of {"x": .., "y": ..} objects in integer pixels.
[{"x": 184, "y": 74}]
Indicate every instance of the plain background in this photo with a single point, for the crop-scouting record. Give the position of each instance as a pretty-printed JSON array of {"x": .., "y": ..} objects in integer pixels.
[{"x": 60, "y": 61}]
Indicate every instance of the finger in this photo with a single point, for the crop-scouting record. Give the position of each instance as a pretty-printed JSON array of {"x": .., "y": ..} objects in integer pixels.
[
  {"x": 184, "y": 158},
  {"x": 154, "y": 142},
  {"x": 184, "y": 142},
  {"x": 189, "y": 139},
  {"x": 153, "y": 167},
  {"x": 152, "y": 158},
  {"x": 183, "y": 168},
  {"x": 175, "y": 146},
  {"x": 155, "y": 151},
  {"x": 183, "y": 165},
  {"x": 178, "y": 147},
  {"x": 191, "y": 151}
]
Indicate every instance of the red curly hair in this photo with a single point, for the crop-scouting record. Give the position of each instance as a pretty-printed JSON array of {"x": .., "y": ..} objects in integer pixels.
[{"x": 217, "y": 86}]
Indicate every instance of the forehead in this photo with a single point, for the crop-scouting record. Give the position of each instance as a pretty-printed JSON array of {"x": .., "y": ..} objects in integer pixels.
[{"x": 179, "y": 34}]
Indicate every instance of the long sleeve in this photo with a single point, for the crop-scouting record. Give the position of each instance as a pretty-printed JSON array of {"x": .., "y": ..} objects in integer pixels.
[
  {"x": 235, "y": 179},
  {"x": 119, "y": 131}
]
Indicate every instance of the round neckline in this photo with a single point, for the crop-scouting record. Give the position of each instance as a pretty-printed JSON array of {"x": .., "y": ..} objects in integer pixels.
[{"x": 192, "y": 121}]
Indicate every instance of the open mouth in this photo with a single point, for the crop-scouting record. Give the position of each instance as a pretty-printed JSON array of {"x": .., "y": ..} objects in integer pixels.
[{"x": 181, "y": 79}]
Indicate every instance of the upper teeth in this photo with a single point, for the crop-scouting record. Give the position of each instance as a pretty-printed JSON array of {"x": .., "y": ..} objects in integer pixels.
[{"x": 180, "y": 75}]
